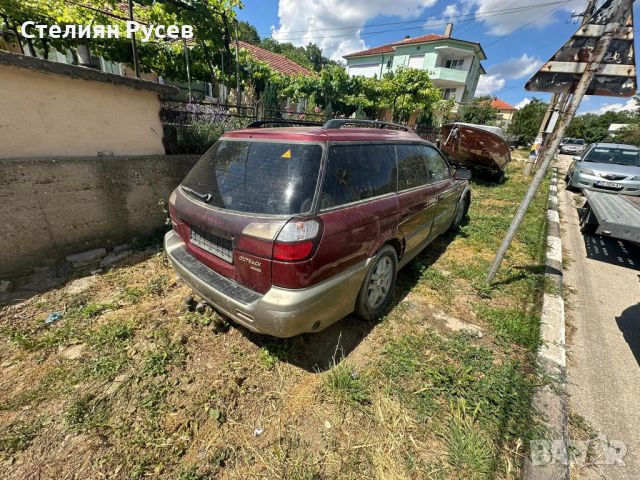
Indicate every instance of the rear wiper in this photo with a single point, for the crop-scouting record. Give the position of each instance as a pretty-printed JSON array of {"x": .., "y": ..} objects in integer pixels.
[{"x": 205, "y": 197}]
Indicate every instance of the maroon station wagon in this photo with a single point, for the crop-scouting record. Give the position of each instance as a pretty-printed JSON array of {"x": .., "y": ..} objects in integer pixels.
[{"x": 287, "y": 230}]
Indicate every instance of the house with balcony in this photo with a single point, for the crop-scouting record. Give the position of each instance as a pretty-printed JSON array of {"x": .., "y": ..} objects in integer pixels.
[{"x": 454, "y": 65}]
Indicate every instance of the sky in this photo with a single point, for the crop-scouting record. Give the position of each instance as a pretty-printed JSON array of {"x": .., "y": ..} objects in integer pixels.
[{"x": 517, "y": 35}]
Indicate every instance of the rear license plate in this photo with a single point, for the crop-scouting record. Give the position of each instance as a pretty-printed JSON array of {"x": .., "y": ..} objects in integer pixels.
[
  {"x": 218, "y": 246},
  {"x": 609, "y": 184}
]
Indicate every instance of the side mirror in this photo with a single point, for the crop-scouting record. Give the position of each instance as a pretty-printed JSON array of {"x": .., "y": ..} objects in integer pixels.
[
  {"x": 462, "y": 174},
  {"x": 577, "y": 158}
]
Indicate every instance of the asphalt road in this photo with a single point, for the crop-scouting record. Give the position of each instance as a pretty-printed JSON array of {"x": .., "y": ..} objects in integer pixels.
[{"x": 603, "y": 316}]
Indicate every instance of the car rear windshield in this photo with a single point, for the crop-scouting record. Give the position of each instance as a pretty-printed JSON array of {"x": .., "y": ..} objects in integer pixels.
[
  {"x": 257, "y": 177},
  {"x": 617, "y": 156},
  {"x": 574, "y": 141}
]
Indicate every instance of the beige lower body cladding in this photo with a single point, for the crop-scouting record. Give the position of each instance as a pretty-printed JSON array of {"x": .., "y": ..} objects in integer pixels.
[{"x": 53, "y": 207}]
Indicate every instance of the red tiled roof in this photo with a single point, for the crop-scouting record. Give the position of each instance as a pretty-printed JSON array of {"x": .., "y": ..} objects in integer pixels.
[
  {"x": 389, "y": 47},
  {"x": 430, "y": 37},
  {"x": 278, "y": 62},
  {"x": 501, "y": 104},
  {"x": 372, "y": 51}
]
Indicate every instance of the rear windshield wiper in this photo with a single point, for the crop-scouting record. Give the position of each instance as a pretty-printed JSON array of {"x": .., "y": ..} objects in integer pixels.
[{"x": 205, "y": 197}]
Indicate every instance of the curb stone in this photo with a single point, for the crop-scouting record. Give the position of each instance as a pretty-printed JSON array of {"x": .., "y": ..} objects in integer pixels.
[{"x": 548, "y": 457}]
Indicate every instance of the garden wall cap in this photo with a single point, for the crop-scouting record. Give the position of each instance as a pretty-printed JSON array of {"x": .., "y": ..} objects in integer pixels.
[{"x": 84, "y": 73}]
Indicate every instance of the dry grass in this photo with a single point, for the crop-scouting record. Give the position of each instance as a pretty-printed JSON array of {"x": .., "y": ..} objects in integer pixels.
[{"x": 129, "y": 385}]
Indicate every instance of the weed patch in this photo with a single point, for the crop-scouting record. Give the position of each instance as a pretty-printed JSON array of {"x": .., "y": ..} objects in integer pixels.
[{"x": 344, "y": 384}]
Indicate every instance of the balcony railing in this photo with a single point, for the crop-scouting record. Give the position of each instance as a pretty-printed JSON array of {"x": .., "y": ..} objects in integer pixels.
[{"x": 449, "y": 74}]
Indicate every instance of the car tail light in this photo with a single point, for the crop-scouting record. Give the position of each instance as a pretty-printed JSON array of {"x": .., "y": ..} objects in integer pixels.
[{"x": 297, "y": 240}]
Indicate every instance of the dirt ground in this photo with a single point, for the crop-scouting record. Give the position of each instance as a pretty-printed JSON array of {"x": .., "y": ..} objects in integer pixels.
[{"x": 126, "y": 383}]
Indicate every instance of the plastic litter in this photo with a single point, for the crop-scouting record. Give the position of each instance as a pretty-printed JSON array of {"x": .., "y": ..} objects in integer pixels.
[
  {"x": 53, "y": 318},
  {"x": 258, "y": 431}
]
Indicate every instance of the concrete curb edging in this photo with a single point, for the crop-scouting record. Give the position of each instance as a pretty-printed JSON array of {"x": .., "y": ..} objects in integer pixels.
[{"x": 548, "y": 458}]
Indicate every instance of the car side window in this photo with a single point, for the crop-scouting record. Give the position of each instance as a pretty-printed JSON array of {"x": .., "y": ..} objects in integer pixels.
[
  {"x": 412, "y": 167},
  {"x": 358, "y": 172},
  {"x": 436, "y": 164}
]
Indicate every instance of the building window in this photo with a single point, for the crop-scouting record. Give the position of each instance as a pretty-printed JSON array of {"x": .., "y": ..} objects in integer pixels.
[
  {"x": 448, "y": 93},
  {"x": 455, "y": 64}
]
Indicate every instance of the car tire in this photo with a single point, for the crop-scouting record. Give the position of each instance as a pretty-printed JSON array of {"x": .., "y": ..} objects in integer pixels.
[
  {"x": 461, "y": 212},
  {"x": 378, "y": 286},
  {"x": 498, "y": 177}
]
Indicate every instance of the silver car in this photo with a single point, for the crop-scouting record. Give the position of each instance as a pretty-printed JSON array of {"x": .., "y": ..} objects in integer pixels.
[
  {"x": 609, "y": 167},
  {"x": 572, "y": 146}
]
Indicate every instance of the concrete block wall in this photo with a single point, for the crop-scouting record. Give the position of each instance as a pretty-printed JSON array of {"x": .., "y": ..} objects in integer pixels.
[{"x": 53, "y": 207}]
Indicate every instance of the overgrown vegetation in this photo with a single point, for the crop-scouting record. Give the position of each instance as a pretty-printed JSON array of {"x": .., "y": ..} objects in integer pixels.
[{"x": 127, "y": 384}]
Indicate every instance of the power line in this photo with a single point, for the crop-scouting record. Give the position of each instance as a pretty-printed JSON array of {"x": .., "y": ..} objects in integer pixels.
[
  {"x": 475, "y": 18},
  {"x": 403, "y": 22}
]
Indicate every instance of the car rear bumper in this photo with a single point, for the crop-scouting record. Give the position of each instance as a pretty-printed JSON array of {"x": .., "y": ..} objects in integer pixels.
[{"x": 280, "y": 312}]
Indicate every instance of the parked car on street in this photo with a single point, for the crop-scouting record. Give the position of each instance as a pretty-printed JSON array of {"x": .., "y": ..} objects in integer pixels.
[
  {"x": 287, "y": 230},
  {"x": 572, "y": 146},
  {"x": 610, "y": 167}
]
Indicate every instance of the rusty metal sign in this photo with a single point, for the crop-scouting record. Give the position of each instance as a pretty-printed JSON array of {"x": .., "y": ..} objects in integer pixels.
[{"x": 617, "y": 76}]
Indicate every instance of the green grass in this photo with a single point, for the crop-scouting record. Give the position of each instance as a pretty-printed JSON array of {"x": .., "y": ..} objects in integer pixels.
[
  {"x": 512, "y": 325},
  {"x": 343, "y": 383},
  {"x": 470, "y": 451},
  {"x": 428, "y": 372},
  {"x": 87, "y": 413},
  {"x": 17, "y": 436}
]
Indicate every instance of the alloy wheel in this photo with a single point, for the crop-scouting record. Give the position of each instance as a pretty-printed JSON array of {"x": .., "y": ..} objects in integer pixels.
[{"x": 380, "y": 282}]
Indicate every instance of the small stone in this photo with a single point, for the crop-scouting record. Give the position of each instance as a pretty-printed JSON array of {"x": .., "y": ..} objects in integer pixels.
[
  {"x": 114, "y": 257},
  {"x": 189, "y": 303},
  {"x": 163, "y": 310},
  {"x": 86, "y": 258},
  {"x": 73, "y": 352},
  {"x": 200, "y": 307},
  {"x": 327, "y": 424},
  {"x": 180, "y": 338},
  {"x": 121, "y": 248}
]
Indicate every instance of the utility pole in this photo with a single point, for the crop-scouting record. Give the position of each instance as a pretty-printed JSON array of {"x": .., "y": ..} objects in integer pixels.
[
  {"x": 134, "y": 47},
  {"x": 238, "y": 93},
  {"x": 592, "y": 68}
]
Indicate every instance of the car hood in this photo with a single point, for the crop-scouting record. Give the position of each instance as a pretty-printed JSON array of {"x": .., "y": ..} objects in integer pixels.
[{"x": 612, "y": 168}]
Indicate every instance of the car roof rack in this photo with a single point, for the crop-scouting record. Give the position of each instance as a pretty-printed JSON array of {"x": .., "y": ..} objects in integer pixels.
[
  {"x": 278, "y": 121},
  {"x": 341, "y": 122}
]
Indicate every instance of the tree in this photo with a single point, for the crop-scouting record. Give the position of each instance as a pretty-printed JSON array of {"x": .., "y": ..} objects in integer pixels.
[
  {"x": 408, "y": 90},
  {"x": 526, "y": 121},
  {"x": 595, "y": 128},
  {"x": 631, "y": 134},
  {"x": 248, "y": 33},
  {"x": 479, "y": 112},
  {"x": 211, "y": 20},
  {"x": 309, "y": 57}
]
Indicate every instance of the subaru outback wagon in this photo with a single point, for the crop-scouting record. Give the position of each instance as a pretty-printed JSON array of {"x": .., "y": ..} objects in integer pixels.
[{"x": 287, "y": 230}]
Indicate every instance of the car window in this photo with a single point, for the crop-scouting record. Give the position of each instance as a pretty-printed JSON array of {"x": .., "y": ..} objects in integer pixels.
[
  {"x": 617, "y": 156},
  {"x": 436, "y": 164},
  {"x": 257, "y": 177},
  {"x": 412, "y": 167},
  {"x": 358, "y": 172}
]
